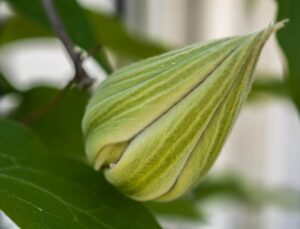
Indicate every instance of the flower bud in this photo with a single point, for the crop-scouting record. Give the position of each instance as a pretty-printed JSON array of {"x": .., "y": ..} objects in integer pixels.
[{"x": 157, "y": 126}]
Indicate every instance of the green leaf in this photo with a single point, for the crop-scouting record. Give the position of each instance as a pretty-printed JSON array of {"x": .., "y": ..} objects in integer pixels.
[
  {"x": 274, "y": 87},
  {"x": 20, "y": 27},
  {"x": 289, "y": 39},
  {"x": 75, "y": 22},
  {"x": 5, "y": 86},
  {"x": 119, "y": 40},
  {"x": 115, "y": 36},
  {"x": 183, "y": 208},
  {"x": 225, "y": 186},
  {"x": 38, "y": 190},
  {"x": 60, "y": 128}
]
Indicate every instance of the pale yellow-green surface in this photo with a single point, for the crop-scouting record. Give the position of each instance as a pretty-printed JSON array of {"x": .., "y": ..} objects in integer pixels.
[{"x": 156, "y": 127}]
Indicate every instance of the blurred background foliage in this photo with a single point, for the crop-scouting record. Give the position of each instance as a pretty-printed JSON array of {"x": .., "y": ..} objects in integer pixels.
[{"x": 91, "y": 30}]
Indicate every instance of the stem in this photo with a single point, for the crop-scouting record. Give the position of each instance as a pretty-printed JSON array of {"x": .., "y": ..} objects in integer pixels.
[{"x": 81, "y": 77}]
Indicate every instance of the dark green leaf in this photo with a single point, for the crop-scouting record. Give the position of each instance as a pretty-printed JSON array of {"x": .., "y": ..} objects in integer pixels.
[
  {"x": 112, "y": 33},
  {"x": 226, "y": 186},
  {"x": 289, "y": 38},
  {"x": 114, "y": 36},
  {"x": 20, "y": 27},
  {"x": 60, "y": 128},
  {"x": 273, "y": 87},
  {"x": 38, "y": 190},
  {"x": 74, "y": 19},
  {"x": 5, "y": 86},
  {"x": 183, "y": 208}
]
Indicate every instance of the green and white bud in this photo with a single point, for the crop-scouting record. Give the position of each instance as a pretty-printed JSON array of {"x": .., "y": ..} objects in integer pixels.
[{"x": 156, "y": 127}]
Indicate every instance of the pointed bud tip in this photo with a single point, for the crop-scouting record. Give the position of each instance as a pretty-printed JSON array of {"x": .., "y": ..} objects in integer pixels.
[
  {"x": 270, "y": 29},
  {"x": 279, "y": 25}
]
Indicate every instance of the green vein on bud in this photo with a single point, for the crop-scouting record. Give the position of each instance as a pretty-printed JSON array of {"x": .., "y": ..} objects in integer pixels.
[{"x": 157, "y": 126}]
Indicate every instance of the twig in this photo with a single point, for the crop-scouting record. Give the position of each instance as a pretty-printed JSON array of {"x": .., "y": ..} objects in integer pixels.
[{"x": 81, "y": 78}]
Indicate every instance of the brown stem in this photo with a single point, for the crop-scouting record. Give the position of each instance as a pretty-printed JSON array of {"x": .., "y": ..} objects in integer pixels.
[{"x": 81, "y": 78}]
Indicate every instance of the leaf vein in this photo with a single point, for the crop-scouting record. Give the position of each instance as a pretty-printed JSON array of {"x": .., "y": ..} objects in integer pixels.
[{"x": 68, "y": 205}]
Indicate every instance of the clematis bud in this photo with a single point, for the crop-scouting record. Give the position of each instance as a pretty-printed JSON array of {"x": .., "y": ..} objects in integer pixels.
[{"x": 157, "y": 126}]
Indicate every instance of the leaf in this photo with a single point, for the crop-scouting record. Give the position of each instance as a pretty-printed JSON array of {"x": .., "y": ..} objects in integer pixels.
[
  {"x": 38, "y": 190},
  {"x": 225, "y": 186},
  {"x": 183, "y": 208},
  {"x": 289, "y": 40},
  {"x": 5, "y": 86},
  {"x": 60, "y": 128},
  {"x": 119, "y": 40},
  {"x": 273, "y": 87},
  {"x": 74, "y": 19},
  {"x": 21, "y": 27},
  {"x": 115, "y": 36}
]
